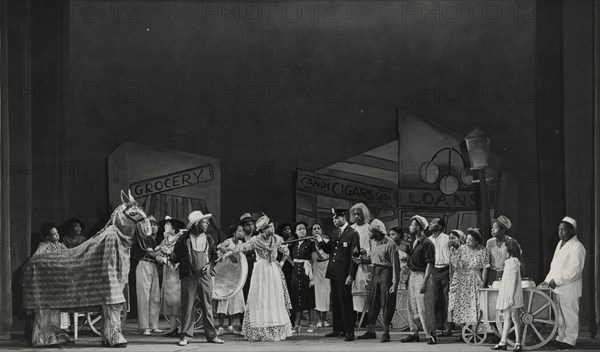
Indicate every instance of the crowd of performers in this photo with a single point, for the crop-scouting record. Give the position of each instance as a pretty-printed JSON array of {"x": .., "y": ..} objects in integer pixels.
[{"x": 355, "y": 270}]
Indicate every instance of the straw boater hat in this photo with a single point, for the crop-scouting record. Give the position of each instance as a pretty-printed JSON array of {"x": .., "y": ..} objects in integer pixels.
[
  {"x": 152, "y": 219},
  {"x": 421, "y": 220},
  {"x": 503, "y": 220},
  {"x": 195, "y": 217},
  {"x": 245, "y": 218},
  {"x": 177, "y": 224}
]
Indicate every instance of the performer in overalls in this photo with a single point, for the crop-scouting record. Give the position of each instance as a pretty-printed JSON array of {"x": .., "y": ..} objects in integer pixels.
[{"x": 196, "y": 252}]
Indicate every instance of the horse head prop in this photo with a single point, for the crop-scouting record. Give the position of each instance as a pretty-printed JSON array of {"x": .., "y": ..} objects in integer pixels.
[{"x": 130, "y": 218}]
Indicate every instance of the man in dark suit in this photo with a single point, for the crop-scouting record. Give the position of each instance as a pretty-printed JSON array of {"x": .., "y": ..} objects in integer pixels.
[{"x": 343, "y": 244}]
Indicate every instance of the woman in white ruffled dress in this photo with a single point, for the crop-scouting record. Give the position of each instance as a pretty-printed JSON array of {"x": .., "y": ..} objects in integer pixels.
[{"x": 266, "y": 316}]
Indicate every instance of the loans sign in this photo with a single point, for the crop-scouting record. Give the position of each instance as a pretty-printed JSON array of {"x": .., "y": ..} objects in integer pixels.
[
  {"x": 175, "y": 180},
  {"x": 340, "y": 188}
]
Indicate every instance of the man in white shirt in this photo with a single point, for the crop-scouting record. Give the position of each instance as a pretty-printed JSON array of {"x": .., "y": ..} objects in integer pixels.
[
  {"x": 440, "y": 276},
  {"x": 565, "y": 279}
]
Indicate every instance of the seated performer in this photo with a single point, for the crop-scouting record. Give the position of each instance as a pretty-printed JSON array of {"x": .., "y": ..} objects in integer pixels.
[
  {"x": 384, "y": 280},
  {"x": 49, "y": 323},
  {"x": 266, "y": 316}
]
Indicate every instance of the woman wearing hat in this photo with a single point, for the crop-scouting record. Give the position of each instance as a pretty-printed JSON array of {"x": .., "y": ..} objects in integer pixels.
[
  {"x": 171, "y": 287},
  {"x": 266, "y": 316},
  {"x": 73, "y": 228}
]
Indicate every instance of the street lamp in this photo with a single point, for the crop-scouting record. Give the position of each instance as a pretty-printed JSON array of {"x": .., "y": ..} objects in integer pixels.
[{"x": 478, "y": 147}]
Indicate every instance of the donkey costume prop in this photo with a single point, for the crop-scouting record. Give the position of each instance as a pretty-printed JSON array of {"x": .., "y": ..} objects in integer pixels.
[{"x": 89, "y": 276}]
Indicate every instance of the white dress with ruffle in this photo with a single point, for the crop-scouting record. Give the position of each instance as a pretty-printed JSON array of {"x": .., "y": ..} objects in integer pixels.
[{"x": 266, "y": 315}]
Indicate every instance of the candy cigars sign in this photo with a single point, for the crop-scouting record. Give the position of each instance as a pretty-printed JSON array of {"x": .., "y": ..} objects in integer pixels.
[
  {"x": 340, "y": 188},
  {"x": 176, "y": 180}
]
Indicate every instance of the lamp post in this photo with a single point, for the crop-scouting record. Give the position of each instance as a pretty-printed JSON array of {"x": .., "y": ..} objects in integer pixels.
[{"x": 478, "y": 147}]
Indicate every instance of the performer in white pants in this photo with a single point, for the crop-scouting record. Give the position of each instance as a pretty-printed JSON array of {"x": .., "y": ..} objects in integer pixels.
[
  {"x": 565, "y": 278},
  {"x": 146, "y": 277}
]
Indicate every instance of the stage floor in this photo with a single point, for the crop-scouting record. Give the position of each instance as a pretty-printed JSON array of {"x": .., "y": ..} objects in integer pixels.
[{"x": 299, "y": 342}]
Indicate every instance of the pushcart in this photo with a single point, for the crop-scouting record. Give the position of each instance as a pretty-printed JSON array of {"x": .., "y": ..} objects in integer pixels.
[{"x": 538, "y": 319}]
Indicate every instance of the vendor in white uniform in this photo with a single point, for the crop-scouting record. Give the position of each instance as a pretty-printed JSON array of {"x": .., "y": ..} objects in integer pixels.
[{"x": 565, "y": 278}]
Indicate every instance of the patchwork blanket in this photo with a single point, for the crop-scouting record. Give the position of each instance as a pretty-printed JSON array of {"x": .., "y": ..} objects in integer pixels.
[{"x": 92, "y": 274}]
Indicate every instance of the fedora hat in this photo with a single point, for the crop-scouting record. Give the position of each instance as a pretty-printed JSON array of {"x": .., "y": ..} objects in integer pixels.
[
  {"x": 195, "y": 217},
  {"x": 503, "y": 220}
]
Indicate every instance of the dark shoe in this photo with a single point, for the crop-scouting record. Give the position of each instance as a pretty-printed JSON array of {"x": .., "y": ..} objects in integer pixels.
[
  {"x": 173, "y": 333},
  {"x": 518, "y": 348},
  {"x": 349, "y": 337},
  {"x": 564, "y": 346},
  {"x": 411, "y": 338},
  {"x": 447, "y": 333},
  {"x": 431, "y": 340},
  {"x": 367, "y": 336},
  {"x": 333, "y": 334},
  {"x": 499, "y": 347},
  {"x": 385, "y": 338}
]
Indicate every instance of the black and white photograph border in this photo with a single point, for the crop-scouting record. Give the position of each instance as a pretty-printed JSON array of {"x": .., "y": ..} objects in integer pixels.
[{"x": 156, "y": 149}]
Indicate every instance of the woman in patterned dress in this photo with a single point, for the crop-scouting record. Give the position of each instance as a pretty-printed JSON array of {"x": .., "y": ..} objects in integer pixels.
[
  {"x": 322, "y": 284},
  {"x": 471, "y": 263},
  {"x": 302, "y": 291},
  {"x": 266, "y": 315},
  {"x": 456, "y": 239}
]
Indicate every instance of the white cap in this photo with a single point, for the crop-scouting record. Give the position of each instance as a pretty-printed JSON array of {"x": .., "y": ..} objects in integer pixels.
[
  {"x": 378, "y": 225},
  {"x": 421, "y": 220},
  {"x": 570, "y": 220}
]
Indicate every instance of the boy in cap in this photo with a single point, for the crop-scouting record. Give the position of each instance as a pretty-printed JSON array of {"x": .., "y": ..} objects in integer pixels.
[
  {"x": 420, "y": 290},
  {"x": 384, "y": 279},
  {"x": 342, "y": 246},
  {"x": 565, "y": 279},
  {"x": 196, "y": 252},
  {"x": 497, "y": 247}
]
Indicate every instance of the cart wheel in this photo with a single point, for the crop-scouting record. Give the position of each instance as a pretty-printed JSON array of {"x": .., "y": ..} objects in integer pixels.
[
  {"x": 198, "y": 324},
  {"x": 400, "y": 319},
  {"x": 94, "y": 320},
  {"x": 474, "y": 333},
  {"x": 538, "y": 320}
]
